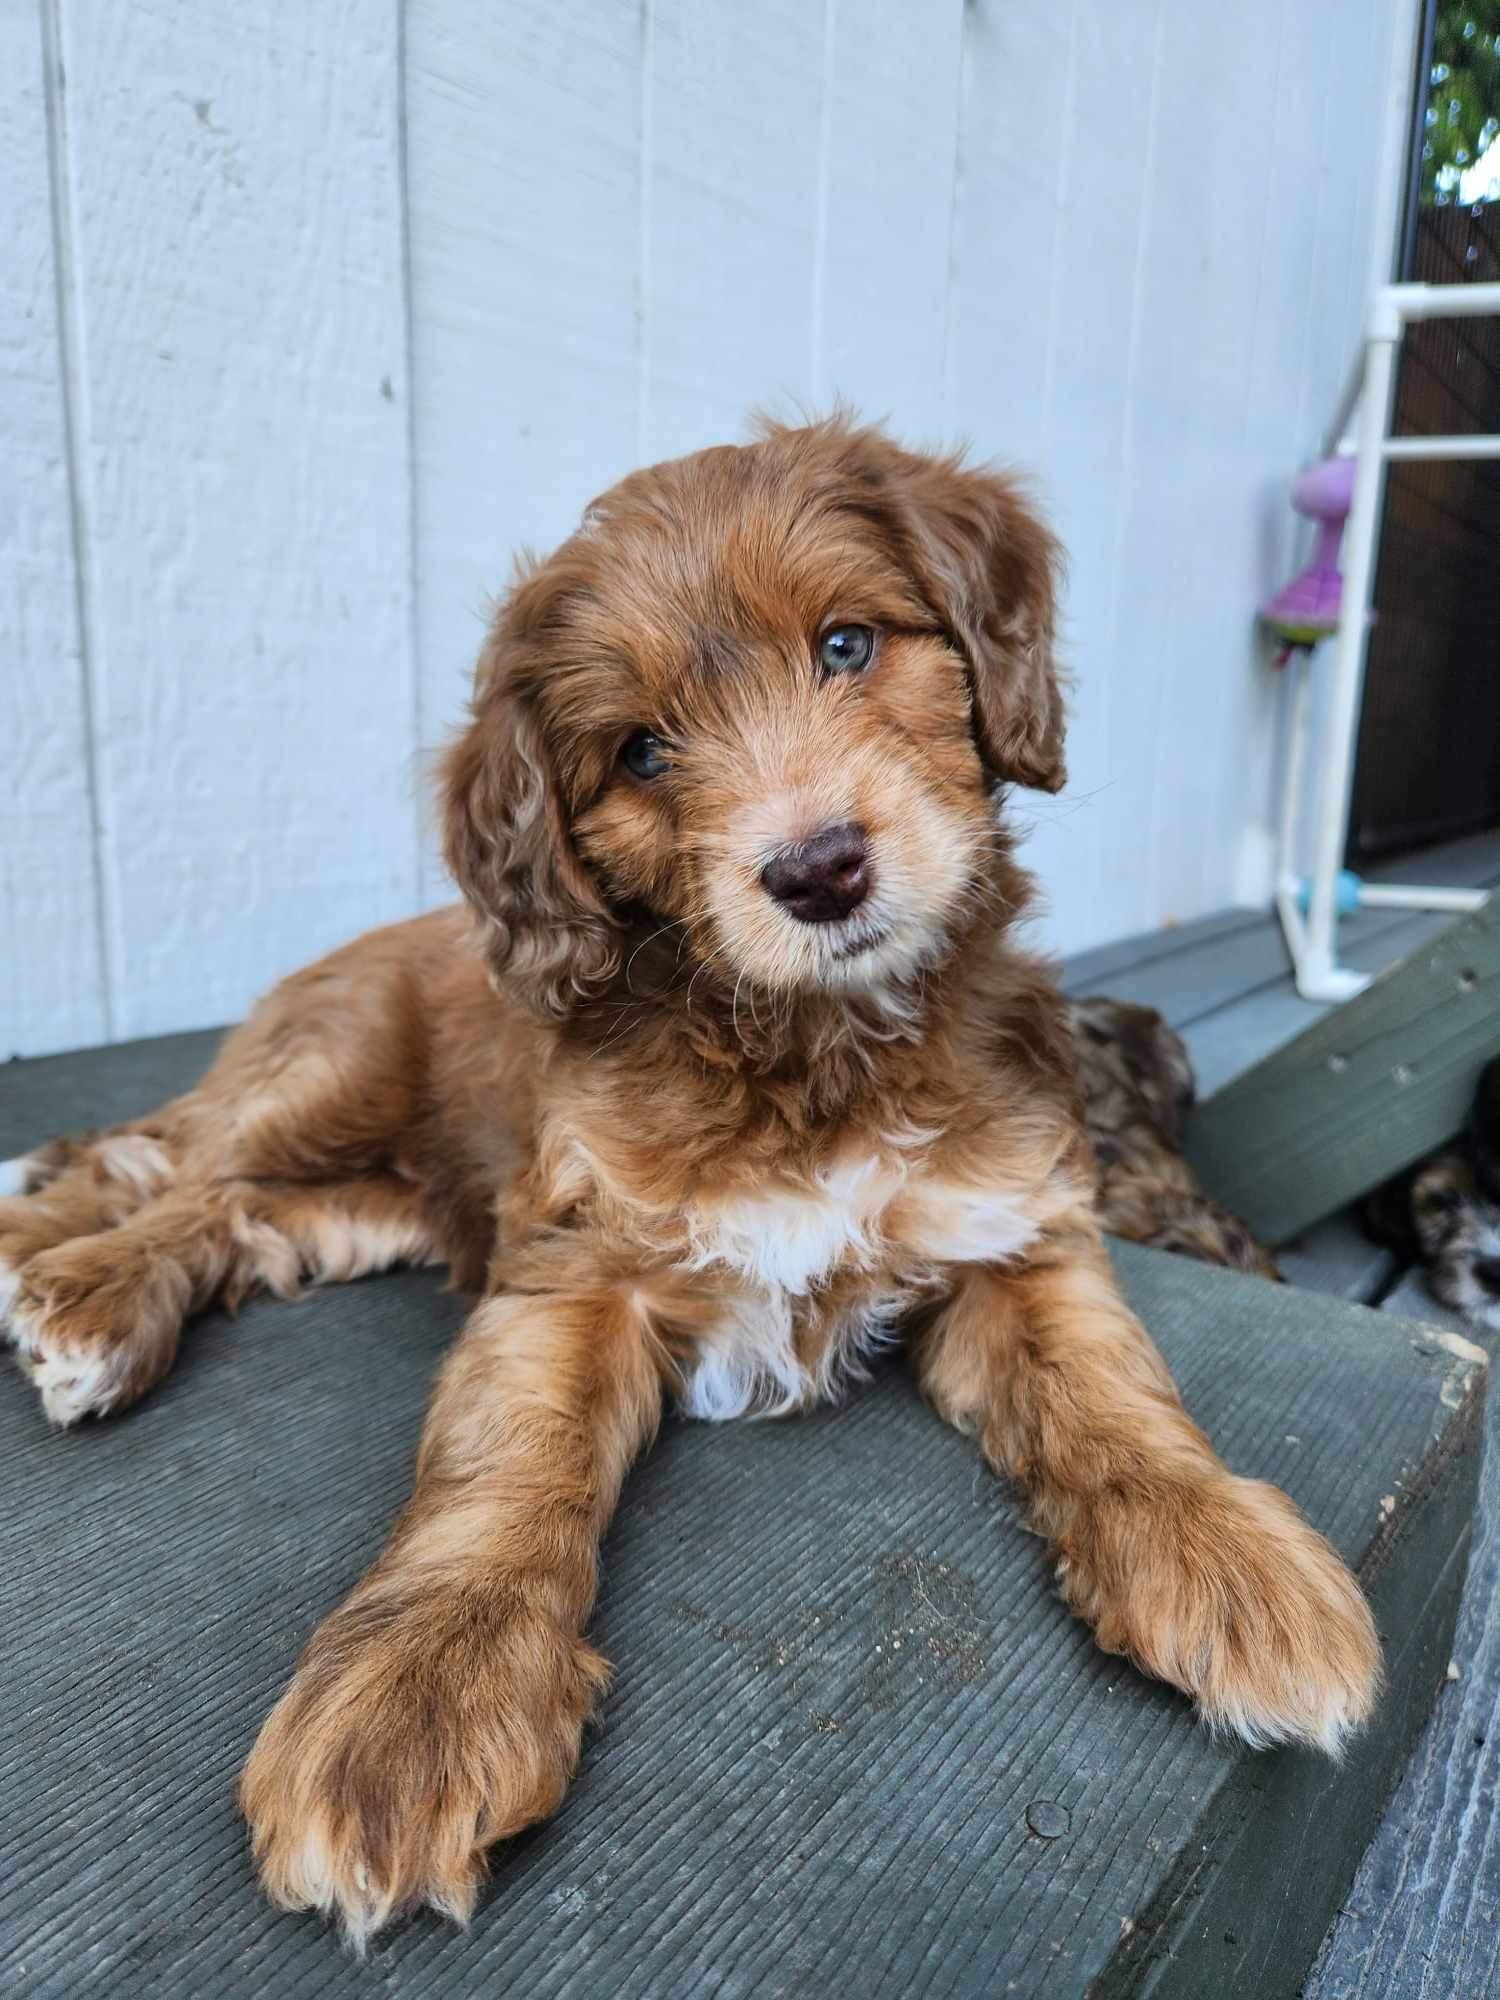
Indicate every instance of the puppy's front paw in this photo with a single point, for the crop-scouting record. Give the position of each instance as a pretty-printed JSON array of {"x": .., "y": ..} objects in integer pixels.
[
  {"x": 406, "y": 1746},
  {"x": 1228, "y": 1594}
]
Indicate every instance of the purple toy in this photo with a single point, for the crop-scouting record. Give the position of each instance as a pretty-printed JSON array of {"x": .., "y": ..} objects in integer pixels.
[{"x": 1307, "y": 610}]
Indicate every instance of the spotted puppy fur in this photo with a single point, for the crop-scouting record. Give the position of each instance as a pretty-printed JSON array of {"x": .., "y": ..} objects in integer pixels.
[
  {"x": 1444, "y": 1213},
  {"x": 1137, "y": 1083}
]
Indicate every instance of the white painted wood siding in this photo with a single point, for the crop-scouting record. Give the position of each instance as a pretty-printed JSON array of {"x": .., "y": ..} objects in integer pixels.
[{"x": 312, "y": 316}]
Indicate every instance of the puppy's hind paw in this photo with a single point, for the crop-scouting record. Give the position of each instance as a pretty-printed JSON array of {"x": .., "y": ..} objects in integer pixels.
[
  {"x": 92, "y": 1330},
  {"x": 10, "y": 1284},
  {"x": 71, "y": 1386}
]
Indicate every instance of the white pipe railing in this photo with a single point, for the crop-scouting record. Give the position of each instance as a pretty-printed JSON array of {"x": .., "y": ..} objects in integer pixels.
[
  {"x": 1312, "y": 940},
  {"x": 1441, "y": 447}
]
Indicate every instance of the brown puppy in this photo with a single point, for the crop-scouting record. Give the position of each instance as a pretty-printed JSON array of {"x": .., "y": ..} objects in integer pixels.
[{"x": 726, "y": 1067}]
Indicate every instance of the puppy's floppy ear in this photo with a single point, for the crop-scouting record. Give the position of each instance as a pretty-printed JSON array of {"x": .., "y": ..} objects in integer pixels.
[
  {"x": 506, "y": 838},
  {"x": 990, "y": 569}
]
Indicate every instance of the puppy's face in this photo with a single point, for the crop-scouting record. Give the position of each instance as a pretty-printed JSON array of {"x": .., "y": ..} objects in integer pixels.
[{"x": 761, "y": 703}]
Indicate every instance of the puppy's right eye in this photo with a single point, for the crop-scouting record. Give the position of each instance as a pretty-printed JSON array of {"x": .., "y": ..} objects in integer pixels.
[
  {"x": 846, "y": 649},
  {"x": 644, "y": 755}
]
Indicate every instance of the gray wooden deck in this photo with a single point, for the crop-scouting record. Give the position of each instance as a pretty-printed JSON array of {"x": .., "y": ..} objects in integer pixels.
[
  {"x": 844, "y": 1696},
  {"x": 1422, "y": 1920}
]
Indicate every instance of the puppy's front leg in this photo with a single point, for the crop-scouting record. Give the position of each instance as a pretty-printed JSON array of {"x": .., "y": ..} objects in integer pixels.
[
  {"x": 1211, "y": 1582},
  {"x": 441, "y": 1707}
]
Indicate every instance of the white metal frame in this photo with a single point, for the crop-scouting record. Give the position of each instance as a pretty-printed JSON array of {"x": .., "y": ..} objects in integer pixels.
[{"x": 1312, "y": 939}]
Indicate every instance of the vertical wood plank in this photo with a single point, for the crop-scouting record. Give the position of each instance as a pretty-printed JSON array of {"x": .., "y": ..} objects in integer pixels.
[
  {"x": 732, "y": 103},
  {"x": 888, "y": 133},
  {"x": 1017, "y": 63},
  {"x": 1282, "y": 423},
  {"x": 523, "y": 147},
  {"x": 1088, "y": 431},
  {"x": 1210, "y": 241},
  {"x": 234, "y": 182},
  {"x": 51, "y": 979},
  {"x": 1352, "y": 123},
  {"x": 1182, "y": 624}
]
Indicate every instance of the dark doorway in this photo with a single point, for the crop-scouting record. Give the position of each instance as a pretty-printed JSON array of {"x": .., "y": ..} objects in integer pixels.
[{"x": 1428, "y": 762}]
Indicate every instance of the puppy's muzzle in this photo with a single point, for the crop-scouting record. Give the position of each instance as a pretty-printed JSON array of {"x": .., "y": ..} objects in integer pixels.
[{"x": 824, "y": 879}]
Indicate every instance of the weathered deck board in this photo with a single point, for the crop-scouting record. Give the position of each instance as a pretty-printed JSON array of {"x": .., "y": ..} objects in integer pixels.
[
  {"x": 1422, "y": 1921},
  {"x": 1221, "y": 969},
  {"x": 1335, "y": 1256},
  {"x": 1224, "y": 982},
  {"x": 1411, "y": 1299},
  {"x": 873, "y": 1670},
  {"x": 1227, "y": 1042},
  {"x": 48, "y": 1097},
  {"x": 1175, "y": 947},
  {"x": 1360, "y": 1093}
]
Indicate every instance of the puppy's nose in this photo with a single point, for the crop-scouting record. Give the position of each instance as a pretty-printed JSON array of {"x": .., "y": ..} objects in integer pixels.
[{"x": 825, "y": 878}]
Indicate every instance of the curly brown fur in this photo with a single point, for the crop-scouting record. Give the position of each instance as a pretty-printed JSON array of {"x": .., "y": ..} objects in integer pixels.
[
  {"x": 730, "y": 1064},
  {"x": 1444, "y": 1213},
  {"x": 1136, "y": 1082}
]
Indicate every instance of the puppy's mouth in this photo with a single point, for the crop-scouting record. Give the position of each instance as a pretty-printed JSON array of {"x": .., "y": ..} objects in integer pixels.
[{"x": 868, "y": 937}]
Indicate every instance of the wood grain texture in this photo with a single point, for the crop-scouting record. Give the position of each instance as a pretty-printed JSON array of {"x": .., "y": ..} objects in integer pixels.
[
  {"x": 524, "y": 171},
  {"x": 1422, "y": 1920},
  {"x": 1100, "y": 969},
  {"x": 1361, "y": 1093},
  {"x": 846, "y": 1685},
  {"x": 1409, "y": 1298},
  {"x": 1249, "y": 1016},
  {"x": 52, "y": 989},
  {"x": 235, "y": 193},
  {"x": 1336, "y": 1256}
]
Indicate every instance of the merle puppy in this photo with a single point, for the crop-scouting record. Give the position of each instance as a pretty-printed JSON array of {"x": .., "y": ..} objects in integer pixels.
[{"x": 1444, "y": 1213}]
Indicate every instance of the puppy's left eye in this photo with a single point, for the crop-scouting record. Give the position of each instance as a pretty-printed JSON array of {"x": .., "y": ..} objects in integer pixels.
[{"x": 846, "y": 649}]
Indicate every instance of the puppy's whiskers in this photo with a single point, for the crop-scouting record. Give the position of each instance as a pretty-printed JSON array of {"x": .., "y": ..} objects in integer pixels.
[{"x": 677, "y": 923}]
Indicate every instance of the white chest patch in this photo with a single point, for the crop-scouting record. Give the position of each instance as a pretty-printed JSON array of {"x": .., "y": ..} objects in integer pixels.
[
  {"x": 786, "y": 1241},
  {"x": 791, "y": 1238}
]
